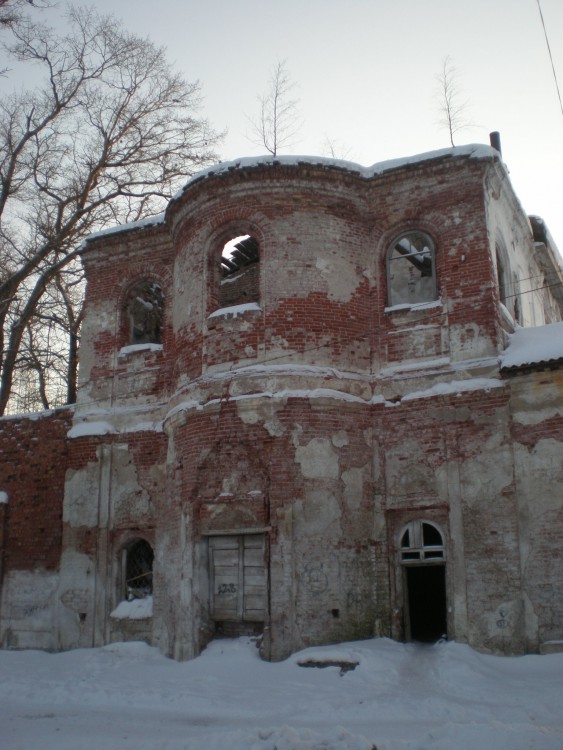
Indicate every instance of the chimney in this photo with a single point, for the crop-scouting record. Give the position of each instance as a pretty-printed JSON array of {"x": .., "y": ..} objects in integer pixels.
[{"x": 494, "y": 138}]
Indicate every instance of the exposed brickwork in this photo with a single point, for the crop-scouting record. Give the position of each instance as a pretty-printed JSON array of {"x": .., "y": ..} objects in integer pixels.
[
  {"x": 32, "y": 473},
  {"x": 317, "y": 419}
]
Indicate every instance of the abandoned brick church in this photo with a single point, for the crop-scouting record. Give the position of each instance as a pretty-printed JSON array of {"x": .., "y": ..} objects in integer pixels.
[{"x": 317, "y": 401}]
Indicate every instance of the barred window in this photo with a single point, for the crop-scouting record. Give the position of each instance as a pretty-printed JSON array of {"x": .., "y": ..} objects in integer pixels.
[{"x": 138, "y": 570}]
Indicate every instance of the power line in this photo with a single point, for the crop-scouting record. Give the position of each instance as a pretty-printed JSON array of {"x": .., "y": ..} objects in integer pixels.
[{"x": 550, "y": 56}]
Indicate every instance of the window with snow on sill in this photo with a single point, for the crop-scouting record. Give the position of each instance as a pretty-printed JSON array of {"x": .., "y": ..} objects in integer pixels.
[{"x": 136, "y": 609}]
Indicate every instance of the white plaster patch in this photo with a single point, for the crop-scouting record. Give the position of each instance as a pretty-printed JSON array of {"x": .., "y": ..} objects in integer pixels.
[
  {"x": 340, "y": 439},
  {"x": 469, "y": 342},
  {"x": 340, "y": 275},
  {"x": 539, "y": 474},
  {"x": 353, "y": 487},
  {"x": 29, "y": 594},
  {"x": 3, "y": 498},
  {"x": 29, "y": 604},
  {"x": 81, "y": 496},
  {"x": 318, "y": 459},
  {"x": 536, "y": 415},
  {"x": 487, "y": 474},
  {"x": 317, "y": 512},
  {"x": 131, "y": 500},
  {"x": 323, "y": 265},
  {"x": 263, "y": 410},
  {"x": 77, "y": 571},
  {"x": 504, "y": 620}
]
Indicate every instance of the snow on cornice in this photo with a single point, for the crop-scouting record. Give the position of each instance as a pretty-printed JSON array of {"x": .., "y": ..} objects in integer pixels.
[
  {"x": 473, "y": 150},
  {"x": 148, "y": 221},
  {"x": 529, "y": 347}
]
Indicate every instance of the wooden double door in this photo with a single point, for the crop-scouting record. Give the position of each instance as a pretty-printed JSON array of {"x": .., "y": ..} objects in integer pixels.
[{"x": 238, "y": 583}]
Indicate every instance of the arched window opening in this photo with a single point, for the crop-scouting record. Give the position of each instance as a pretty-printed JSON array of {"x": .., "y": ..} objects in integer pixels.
[
  {"x": 237, "y": 253},
  {"x": 145, "y": 308},
  {"x": 502, "y": 277},
  {"x": 508, "y": 284},
  {"x": 139, "y": 559},
  {"x": 411, "y": 274},
  {"x": 239, "y": 271},
  {"x": 421, "y": 542}
]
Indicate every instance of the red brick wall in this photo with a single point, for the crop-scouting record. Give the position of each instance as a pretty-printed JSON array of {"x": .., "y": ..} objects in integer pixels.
[
  {"x": 34, "y": 461},
  {"x": 300, "y": 214}
]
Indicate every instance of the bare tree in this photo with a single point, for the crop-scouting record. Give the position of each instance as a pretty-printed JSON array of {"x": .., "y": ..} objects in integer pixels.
[
  {"x": 11, "y": 10},
  {"x": 336, "y": 149},
  {"x": 277, "y": 122},
  {"x": 453, "y": 107},
  {"x": 107, "y": 138}
]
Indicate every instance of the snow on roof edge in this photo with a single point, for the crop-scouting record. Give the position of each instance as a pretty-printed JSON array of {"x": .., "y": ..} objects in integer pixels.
[
  {"x": 533, "y": 346},
  {"x": 472, "y": 150},
  {"x": 148, "y": 221}
]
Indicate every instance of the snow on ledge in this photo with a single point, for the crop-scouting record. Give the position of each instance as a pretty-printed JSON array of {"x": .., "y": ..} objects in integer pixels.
[
  {"x": 531, "y": 346},
  {"x": 136, "y": 609},
  {"x": 3, "y": 498},
  {"x": 189, "y": 404},
  {"x": 91, "y": 429},
  {"x": 413, "y": 307},
  {"x": 125, "y": 350},
  {"x": 472, "y": 150},
  {"x": 148, "y": 221},
  {"x": 423, "y": 365},
  {"x": 235, "y": 310},
  {"x": 456, "y": 387},
  {"x": 86, "y": 429}
]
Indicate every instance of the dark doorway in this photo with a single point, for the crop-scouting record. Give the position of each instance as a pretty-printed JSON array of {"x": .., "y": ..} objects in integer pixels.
[{"x": 426, "y": 596}]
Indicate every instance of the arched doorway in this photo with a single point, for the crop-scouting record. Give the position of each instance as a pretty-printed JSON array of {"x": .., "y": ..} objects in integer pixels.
[{"x": 423, "y": 557}]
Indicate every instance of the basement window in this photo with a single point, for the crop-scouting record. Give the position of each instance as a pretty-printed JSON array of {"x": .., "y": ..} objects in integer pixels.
[
  {"x": 145, "y": 307},
  {"x": 239, "y": 271},
  {"x": 411, "y": 277},
  {"x": 139, "y": 558},
  {"x": 422, "y": 541}
]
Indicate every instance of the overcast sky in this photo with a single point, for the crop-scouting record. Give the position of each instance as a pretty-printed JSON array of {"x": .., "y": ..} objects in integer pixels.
[{"x": 365, "y": 73}]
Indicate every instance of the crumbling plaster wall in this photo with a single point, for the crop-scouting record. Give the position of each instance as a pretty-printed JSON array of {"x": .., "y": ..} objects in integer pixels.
[
  {"x": 322, "y": 304},
  {"x": 510, "y": 230},
  {"x": 308, "y": 488},
  {"x": 308, "y": 417},
  {"x": 486, "y": 466},
  {"x": 112, "y": 373},
  {"x": 313, "y": 251},
  {"x": 113, "y": 489},
  {"x": 536, "y": 431}
]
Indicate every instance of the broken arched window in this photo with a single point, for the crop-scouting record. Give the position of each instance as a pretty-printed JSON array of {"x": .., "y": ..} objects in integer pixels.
[
  {"x": 145, "y": 308},
  {"x": 239, "y": 278},
  {"x": 411, "y": 274}
]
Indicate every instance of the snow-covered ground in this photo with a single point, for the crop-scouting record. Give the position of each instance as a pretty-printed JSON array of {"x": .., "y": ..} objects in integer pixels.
[{"x": 126, "y": 695}]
